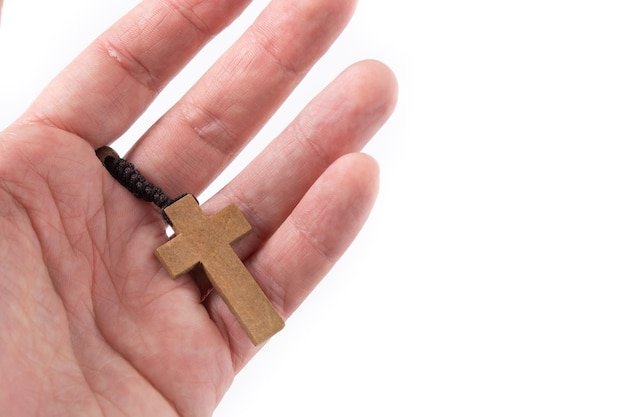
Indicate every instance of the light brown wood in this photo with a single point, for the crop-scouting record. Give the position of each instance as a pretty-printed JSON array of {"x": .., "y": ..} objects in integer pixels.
[{"x": 207, "y": 240}]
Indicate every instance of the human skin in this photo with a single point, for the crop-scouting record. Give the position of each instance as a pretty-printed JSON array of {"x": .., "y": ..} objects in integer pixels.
[{"x": 91, "y": 324}]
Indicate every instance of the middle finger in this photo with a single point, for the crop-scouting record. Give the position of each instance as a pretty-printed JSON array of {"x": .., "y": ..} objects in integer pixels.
[{"x": 202, "y": 133}]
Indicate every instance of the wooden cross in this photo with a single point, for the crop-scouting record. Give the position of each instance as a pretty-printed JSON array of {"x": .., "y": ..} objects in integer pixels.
[{"x": 207, "y": 240}]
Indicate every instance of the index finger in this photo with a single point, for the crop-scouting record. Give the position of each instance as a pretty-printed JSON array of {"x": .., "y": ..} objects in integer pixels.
[{"x": 103, "y": 91}]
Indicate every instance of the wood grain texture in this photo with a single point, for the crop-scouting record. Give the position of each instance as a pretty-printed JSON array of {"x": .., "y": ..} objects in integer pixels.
[{"x": 206, "y": 241}]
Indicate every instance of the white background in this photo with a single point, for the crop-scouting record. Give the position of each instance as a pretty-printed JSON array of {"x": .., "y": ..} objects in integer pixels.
[{"x": 490, "y": 278}]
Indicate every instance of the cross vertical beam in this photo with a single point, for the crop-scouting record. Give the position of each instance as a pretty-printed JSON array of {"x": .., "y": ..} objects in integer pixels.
[{"x": 206, "y": 240}]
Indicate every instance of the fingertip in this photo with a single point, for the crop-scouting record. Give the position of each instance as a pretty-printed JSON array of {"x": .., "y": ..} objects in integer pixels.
[
  {"x": 376, "y": 79},
  {"x": 364, "y": 168},
  {"x": 358, "y": 176},
  {"x": 366, "y": 93}
]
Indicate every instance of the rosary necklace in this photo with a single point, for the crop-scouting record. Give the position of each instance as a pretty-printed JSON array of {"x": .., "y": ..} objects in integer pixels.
[{"x": 201, "y": 240}]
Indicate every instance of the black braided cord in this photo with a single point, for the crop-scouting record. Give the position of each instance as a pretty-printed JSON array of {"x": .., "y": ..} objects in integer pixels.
[{"x": 130, "y": 177}]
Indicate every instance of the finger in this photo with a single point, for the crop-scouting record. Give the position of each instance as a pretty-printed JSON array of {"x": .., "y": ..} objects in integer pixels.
[
  {"x": 340, "y": 120},
  {"x": 101, "y": 93},
  {"x": 199, "y": 136},
  {"x": 307, "y": 244}
]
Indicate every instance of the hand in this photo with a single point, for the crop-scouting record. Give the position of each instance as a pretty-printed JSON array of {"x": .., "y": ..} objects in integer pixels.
[{"x": 90, "y": 322}]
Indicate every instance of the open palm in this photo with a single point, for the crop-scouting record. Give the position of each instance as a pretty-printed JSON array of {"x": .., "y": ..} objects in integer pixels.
[{"x": 90, "y": 324}]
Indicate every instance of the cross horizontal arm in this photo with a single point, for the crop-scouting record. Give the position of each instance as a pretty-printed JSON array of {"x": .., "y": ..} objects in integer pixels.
[{"x": 177, "y": 259}]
